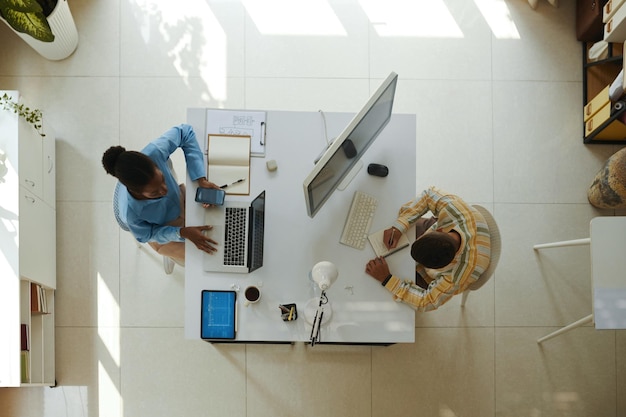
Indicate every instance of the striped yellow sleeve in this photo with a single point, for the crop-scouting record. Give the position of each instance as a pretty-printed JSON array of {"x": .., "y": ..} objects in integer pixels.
[
  {"x": 432, "y": 298},
  {"x": 416, "y": 208}
]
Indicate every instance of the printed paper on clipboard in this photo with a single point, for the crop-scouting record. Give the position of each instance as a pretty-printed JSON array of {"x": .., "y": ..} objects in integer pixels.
[{"x": 239, "y": 122}]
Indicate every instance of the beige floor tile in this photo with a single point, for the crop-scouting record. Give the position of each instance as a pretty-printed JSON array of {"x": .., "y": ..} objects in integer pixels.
[
  {"x": 479, "y": 310},
  {"x": 620, "y": 367},
  {"x": 180, "y": 39},
  {"x": 142, "y": 120},
  {"x": 87, "y": 265},
  {"x": 546, "y": 48},
  {"x": 446, "y": 372},
  {"x": 467, "y": 132},
  {"x": 335, "y": 45},
  {"x": 289, "y": 380},
  {"x": 572, "y": 375},
  {"x": 165, "y": 375},
  {"x": 148, "y": 297},
  {"x": 538, "y": 140},
  {"x": 452, "y": 42},
  {"x": 22, "y": 402}
]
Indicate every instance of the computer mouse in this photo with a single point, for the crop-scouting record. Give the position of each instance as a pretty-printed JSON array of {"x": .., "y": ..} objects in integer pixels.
[{"x": 377, "y": 170}]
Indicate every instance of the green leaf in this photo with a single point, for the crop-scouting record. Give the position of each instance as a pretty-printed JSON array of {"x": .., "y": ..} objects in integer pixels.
[
  {"x": 26, "y": 6},
  {"x": 34, "y": 24}
]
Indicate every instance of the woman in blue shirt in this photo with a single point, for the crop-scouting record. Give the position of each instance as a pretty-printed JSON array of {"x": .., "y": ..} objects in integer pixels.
[{"x": 150, "y": 201}]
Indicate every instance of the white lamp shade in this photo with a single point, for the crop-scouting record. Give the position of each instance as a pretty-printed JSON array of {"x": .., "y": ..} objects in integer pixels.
[{"x": 324, "y": 274}]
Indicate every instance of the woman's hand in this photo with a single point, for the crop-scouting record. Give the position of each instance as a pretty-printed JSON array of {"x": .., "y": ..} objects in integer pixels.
[
  {"x": 204, "y": 183},
  {"x": 197, "y": 236}
]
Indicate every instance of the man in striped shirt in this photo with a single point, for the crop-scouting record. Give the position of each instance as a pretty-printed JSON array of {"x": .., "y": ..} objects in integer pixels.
[{"x": 452, "y": 252}]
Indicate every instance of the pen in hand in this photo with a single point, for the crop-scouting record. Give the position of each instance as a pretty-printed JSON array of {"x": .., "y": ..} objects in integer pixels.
[
  {"x": 233, "y": 183},
  {"x": 390, "y": 238}
]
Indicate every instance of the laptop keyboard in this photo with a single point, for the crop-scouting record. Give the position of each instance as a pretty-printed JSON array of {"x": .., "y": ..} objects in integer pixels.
[{"x": 235, "y": 236}]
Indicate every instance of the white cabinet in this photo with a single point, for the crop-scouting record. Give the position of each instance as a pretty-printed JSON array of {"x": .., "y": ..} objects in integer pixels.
[{"x": 28, "y": 249}]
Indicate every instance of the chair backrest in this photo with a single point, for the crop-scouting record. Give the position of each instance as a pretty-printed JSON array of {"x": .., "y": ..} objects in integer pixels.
[
  {"x": 496, "y": 246},
  {"x": 116, "y": 208}
]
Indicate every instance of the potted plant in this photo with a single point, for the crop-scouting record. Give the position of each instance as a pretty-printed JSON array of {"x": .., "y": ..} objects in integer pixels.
[{"x": 46, "y": 25}]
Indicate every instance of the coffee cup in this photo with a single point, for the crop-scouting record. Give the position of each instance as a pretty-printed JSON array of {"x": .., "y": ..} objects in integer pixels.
[{"x": 252, "y": 294}]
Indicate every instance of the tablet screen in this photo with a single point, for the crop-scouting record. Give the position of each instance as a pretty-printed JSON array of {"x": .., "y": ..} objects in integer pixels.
[{"x": 218, "y": 314}]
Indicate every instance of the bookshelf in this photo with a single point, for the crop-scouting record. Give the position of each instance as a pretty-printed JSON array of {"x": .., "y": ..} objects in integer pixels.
[
  {"x": 606, "y": 123},
  {"x": 28, "y": 248},
  {"x": 37, "y": 351}
]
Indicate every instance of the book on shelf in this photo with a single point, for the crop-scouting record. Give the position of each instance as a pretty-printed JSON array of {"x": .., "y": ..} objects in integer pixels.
[
  {"x": 377, "y": 241},
  {"x": 25, "y": 340},
  {"x": 38, "y": 299},
  {"x": 228, "y": 159},
  {"x": 25, "y": 366}
]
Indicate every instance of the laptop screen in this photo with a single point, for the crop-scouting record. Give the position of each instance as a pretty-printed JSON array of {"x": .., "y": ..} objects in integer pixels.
[{"x": 257, "y": 230}]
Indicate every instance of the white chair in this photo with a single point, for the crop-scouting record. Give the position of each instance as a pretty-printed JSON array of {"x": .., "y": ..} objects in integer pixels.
[
  {"x": 606, "y": 241},
  {"x": 168, "y": 263},
  {"x": 496, "y": 246}
]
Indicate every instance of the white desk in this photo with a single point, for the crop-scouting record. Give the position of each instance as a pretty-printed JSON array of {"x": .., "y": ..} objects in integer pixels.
[
  {"x": 608, "y": 274},
  {"x": 364, "y": 313}
]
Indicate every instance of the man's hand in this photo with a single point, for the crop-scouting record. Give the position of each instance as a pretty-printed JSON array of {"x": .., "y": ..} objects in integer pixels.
[
  {"x": 378, "y": 268},
  {"x": 197, "y": 236},
  {"x": 391, "y": 237}
]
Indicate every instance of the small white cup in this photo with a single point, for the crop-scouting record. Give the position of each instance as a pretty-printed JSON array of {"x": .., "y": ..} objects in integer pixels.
[{"x": 252, "y": 295}]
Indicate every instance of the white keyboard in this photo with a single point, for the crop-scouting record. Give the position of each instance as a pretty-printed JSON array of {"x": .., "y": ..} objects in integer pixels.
[{"x": 359, "y": 220}]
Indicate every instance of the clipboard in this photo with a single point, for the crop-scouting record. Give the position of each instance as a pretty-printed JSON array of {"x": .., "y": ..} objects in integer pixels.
[
  {"x": 218, "y": 320},
  {"x": 239, "y": 123}
]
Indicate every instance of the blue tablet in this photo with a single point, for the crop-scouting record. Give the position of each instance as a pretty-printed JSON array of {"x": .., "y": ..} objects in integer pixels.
[{"x": 218, "y": 319}]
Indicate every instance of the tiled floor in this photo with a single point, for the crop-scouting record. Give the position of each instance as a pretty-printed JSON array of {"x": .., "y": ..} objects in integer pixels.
[{"x": 496, "y": 88}]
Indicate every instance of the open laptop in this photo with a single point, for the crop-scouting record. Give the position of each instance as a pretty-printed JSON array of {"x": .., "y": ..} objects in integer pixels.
[{"x": 238, "y": 228}]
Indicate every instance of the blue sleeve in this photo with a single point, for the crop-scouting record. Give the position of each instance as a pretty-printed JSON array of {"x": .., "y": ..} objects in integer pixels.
[
  {"x": 145, "y": 232},
  {"x": 181, "y": 136}
]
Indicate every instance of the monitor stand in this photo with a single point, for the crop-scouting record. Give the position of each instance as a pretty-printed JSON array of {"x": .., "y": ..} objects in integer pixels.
[{"x": 348, "y": 178}]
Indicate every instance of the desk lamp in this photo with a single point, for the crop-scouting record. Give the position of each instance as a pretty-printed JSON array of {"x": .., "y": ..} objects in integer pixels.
[{"x": 324, "y": 274}]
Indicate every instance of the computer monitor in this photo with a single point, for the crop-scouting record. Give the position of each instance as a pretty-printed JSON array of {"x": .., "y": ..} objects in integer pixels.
[{"x": 345, "y": 152}]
